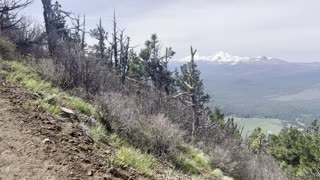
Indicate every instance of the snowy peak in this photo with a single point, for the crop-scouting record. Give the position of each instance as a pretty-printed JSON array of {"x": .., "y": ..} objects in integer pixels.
[{"x": 225, "y": 58}]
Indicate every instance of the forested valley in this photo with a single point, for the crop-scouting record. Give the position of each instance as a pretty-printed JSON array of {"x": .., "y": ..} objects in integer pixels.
[{"x": 155, "y": 119}]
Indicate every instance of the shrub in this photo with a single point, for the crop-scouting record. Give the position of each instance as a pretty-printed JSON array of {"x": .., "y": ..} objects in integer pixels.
[
  {"x": 7, "y": 49},
  {"x": 153, "y": 133}
]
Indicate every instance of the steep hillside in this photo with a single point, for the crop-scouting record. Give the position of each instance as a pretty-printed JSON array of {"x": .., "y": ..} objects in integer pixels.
[
  {"x": 45, "y": 137},
  {"x": 37, "y": 145}
]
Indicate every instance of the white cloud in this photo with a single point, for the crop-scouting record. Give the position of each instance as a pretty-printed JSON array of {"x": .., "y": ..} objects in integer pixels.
[{"x": 288, "y": 29}]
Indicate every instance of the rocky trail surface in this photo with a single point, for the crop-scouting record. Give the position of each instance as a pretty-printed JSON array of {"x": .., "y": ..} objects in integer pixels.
[{"x": 37, "y": 146}]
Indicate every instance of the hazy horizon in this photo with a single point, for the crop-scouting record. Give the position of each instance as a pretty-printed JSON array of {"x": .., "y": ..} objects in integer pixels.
[{"x": 284, "y": 30}]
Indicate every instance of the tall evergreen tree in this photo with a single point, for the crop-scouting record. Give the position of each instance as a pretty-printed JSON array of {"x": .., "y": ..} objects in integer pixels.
[
  {"x": 156, "y": 65},
  {"x": 137, "y": 66}
]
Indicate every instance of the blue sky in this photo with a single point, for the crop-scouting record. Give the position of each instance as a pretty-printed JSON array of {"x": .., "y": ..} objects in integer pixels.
[{"x": 285, "y": 29}]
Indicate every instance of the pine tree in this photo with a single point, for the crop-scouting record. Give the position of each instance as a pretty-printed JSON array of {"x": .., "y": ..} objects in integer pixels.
[
  {"x": 156, "y": 66},
  {"x": 217, "y": 116},
  {"x": 101, "y": 35},
  {"x": 257, "y": 140},
  {"x": 137, "y": 66},
  {"x": 192, "y": 90}
]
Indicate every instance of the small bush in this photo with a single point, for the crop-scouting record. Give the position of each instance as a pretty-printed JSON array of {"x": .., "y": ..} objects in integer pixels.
[
  {"x": 7, "y": 49},
  {"x": 134, "y": 158},
  {"x": 152, "y": 133}
]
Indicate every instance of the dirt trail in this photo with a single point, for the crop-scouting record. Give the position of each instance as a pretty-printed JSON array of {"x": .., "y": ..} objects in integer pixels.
[{"x": 37, "y": 146}]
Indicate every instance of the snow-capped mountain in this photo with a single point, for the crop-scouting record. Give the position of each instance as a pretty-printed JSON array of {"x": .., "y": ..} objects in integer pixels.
[{"x": 225, "y": 58}]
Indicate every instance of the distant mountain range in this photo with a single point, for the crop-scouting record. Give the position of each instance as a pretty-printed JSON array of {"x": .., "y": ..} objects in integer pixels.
[
  {"x": 261, "y": 86},
  {"x": 225, "y": 58}
]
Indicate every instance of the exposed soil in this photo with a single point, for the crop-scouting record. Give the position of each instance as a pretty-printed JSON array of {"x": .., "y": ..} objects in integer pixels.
[{"x": 35, "y": 145}]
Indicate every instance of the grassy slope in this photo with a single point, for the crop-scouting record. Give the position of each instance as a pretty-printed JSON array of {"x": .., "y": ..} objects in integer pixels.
[{"x": 191, "y": 161}]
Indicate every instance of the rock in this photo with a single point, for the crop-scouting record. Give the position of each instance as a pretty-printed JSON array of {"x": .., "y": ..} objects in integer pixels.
[
  {"x": 47, "y": 141},
  {"x": 90, "y": 173},
  {"x": 218, "y": 173},
  {"x": 116, "y": 173},
  {"x": 67, "y": 112},
  {"x": 107, "y": 177},
  {"x": 107, "y": 152},
  {"x": 227, "y": 178}
]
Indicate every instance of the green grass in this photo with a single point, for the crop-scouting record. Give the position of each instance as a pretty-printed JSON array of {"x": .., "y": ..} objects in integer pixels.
[
  {"x": 82, "y": 106},
  {"x": 99, "y": 134},
  {"x": 192, "y": 161},
  {"x": 134, "y": 158},
  {"x": 3, "y": 73},
  {"x": 126, "y": 155},
  {"x": 51, "y": 98},
  {"x": 118, "y": 141}
]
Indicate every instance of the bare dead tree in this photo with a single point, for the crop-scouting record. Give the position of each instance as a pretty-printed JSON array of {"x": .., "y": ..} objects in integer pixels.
[
  {"x": 9, "y": 13},
  {"x": 79, "y": 31},
  {"x": 115, "y": 41},
  {"x": 29, "y": 37},
  {"x": 83, "y": 39},
  {"x": 124, "y": 56}
]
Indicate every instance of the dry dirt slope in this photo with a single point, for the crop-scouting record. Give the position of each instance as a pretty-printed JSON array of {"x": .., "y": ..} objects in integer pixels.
[{"x": 34, "y": 145}]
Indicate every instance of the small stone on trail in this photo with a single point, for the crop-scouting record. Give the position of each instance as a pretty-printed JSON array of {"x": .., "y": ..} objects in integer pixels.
[
  {"x": 47, "y": 141},
  {"x": 66, "y": 110},
  {"x": 90, "y": 173}
]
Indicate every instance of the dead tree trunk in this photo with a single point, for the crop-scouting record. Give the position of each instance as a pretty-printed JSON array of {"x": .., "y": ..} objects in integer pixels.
[
  {"x": 50, "y": 29},
  {"x": 195, "y": 103},
  {"x": 83, "y": 39},
  {"x": 115, "y": 41}
]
